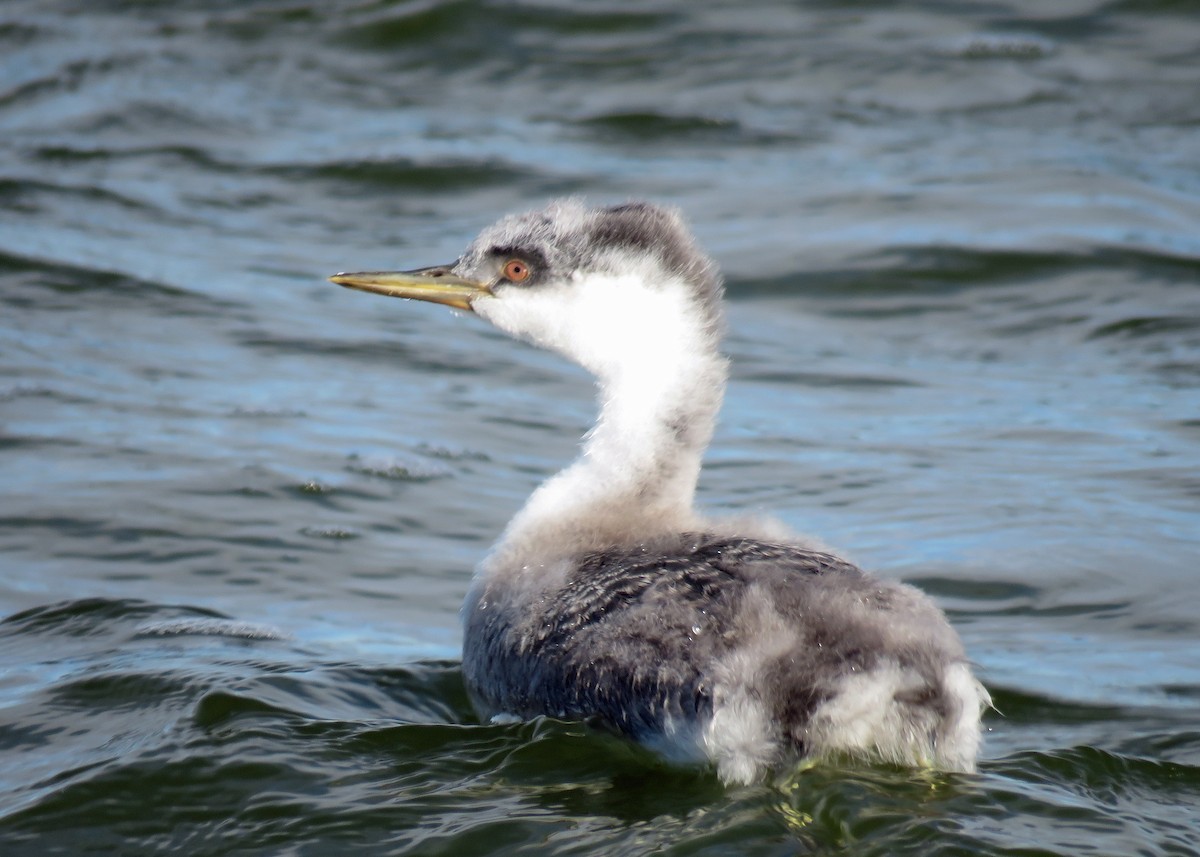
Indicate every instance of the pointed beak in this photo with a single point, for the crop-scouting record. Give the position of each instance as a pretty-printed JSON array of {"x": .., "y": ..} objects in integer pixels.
[{"x": 437, "y": 285}]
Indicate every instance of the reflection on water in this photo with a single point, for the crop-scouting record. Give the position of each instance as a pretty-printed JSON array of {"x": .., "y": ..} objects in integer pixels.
[{"x": 241, "y": 507}]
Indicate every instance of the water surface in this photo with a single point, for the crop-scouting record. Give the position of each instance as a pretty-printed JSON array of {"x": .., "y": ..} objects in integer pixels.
[{"x": 241, "y": 506}]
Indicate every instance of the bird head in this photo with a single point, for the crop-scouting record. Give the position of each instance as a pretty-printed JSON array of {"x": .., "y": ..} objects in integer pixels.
[{"x": 577, "y": 279}]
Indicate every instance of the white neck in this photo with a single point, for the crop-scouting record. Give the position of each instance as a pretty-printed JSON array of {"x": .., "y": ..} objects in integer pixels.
[{"x": 661, "y": 381}]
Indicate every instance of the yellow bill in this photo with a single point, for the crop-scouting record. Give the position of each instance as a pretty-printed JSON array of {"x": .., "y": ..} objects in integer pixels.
[{"x": 437, "y": 285}]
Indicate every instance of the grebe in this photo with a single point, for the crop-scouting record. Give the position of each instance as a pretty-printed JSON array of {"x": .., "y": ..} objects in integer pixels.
[{"x": 610, "y": 597}]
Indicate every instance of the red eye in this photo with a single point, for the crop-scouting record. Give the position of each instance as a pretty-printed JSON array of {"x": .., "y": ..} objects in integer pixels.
[{"x": 516, "y": 271}]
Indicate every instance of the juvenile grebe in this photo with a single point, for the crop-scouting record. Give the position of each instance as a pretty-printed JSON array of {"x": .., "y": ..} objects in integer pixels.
[{"x": 609, "y": 597}]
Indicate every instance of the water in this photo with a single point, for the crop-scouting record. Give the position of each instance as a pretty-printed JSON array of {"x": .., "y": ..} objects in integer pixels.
[{"x": 241, "y": 505}]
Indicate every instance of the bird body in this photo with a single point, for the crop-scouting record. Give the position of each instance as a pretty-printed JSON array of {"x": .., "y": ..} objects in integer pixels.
[{"x": 610, "y": 597}]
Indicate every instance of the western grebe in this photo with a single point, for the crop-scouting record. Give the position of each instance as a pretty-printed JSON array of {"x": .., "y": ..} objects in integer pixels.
[{"x": 609, "y": 596}]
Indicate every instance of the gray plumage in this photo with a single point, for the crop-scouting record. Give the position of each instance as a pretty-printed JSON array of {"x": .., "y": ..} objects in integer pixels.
[
  {"x": 632, "y": 635},
  {"x": 569, "y": 237},
  {"x": 609, "y": 597}
]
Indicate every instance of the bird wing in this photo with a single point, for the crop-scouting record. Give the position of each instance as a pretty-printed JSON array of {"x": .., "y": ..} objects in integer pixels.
[{"x": 632, "y": 636}]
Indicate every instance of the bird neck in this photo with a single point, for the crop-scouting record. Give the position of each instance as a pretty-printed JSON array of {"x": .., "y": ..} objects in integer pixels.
[{"x": 636, "y": 478}]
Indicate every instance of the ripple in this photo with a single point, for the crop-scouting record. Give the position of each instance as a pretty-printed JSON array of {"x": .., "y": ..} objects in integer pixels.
[
  {"x": 1019, "y": 46},
  {"x": 645, "y": 125},
  {"x": 1146, "y": 326},
  {"x": 86, "y": 616},
  {"x": 332, "y": 533},
  {"x": 210, "y": 627},
  {"x": 933, "y": 270},
  {"x": 55, "y": 285},
  {"x": 421, "y": 27},
  {"x": 1017, "y": 705},
  {"x": 397, "y": 468},
  {"x": 404, "y": 174}
]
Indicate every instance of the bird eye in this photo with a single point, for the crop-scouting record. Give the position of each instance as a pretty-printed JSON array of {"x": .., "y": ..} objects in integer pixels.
[{"x": 516, "y": 271}]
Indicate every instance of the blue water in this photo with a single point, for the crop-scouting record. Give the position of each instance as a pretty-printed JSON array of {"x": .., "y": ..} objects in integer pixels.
[{"x": 241, "y": 506}]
